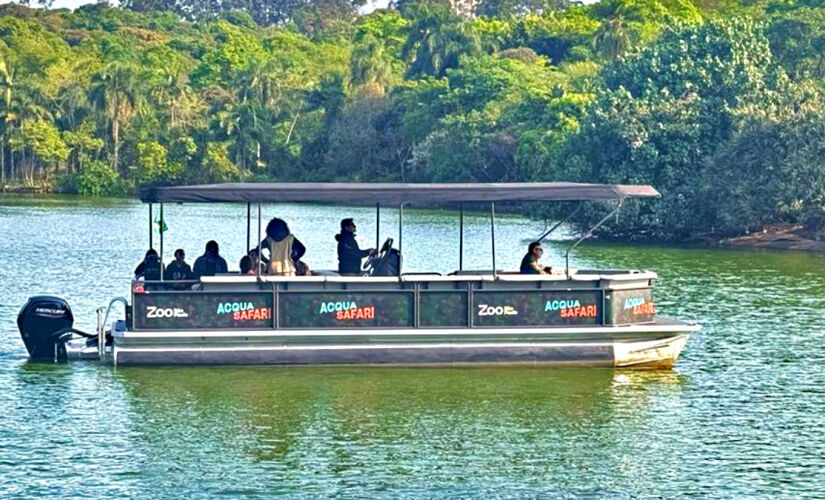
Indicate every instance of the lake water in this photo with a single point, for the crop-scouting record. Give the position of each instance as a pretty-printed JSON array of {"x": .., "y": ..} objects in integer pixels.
[{"x": 740, "y": 415}]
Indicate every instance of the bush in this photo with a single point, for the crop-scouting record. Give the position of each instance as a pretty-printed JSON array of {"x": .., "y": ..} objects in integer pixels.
[{"x": 99, "y": 179}]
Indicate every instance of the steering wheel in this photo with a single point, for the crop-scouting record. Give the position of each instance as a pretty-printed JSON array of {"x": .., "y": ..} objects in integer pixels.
[{"x": 376, "y": 261}]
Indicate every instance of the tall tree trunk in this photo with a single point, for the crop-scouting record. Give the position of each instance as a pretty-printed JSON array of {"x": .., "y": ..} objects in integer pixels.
[
  {"x": 30, "y": 165},
  {"x": 115, "y": 139},
  {"x": 26, "y": 175},
  {"x": 3, "y": 160},
  {"x": 115, "y": 133},
  {"x": 292, "y": 127},
  {"x": 11, "y": 165}
]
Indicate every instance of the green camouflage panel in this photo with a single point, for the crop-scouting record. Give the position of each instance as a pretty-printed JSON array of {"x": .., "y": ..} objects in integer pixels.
[
  {"x": 537, "y": 308},
  {"x": 345, "y": 310},
  {"x": 627, "y": 307},
  {"x": 202, "y": 310}
]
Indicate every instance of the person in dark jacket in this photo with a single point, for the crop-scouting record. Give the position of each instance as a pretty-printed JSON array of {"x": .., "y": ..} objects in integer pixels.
[
  {"x": 210, "y": 263},
  {"x": 178, "y": 269},
  {"x": 349, "y": 254},
  {"x": 530, "y": 262},
  {"x": 284, "y": 249},
  {"x": 150, "y": 268}
]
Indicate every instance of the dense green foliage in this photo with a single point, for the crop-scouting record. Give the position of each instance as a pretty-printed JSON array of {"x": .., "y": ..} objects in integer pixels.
[{"x": 718, "y": 104}]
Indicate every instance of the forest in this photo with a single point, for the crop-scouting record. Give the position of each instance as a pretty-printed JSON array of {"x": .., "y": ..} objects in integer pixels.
[{"x": 719, "y": 104}]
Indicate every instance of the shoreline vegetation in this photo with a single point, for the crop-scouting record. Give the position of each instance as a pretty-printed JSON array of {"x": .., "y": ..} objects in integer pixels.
[
  {"x": 780, "y": 237},
  {"x": 719, "y": 104}
]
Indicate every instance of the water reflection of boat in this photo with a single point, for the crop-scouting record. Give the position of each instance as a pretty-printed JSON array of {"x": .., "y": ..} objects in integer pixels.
[
  {"x": 386, "y": 316},
  {"x": 296, "y": 416}
]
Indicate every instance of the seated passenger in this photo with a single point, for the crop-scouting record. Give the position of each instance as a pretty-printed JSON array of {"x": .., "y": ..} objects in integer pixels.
[
  {"x": 178, "y": 269},
  {"x": 349, "y": 254},
  {"x": 210, "y": 263},
  {"x": 150, "y": 268},
  {"x": 530, "y": 262},
  {"x": 246, "y": 265},
  {"x": 249, "y": 261},
  {"x": 284, "y": 249}
]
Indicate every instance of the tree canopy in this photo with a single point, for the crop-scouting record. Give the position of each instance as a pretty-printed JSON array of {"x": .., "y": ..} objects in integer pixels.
[{"x": 718, "y": 104}]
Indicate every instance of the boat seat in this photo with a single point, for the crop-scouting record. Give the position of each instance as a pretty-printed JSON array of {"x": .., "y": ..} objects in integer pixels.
[
  {"x": 473, "y": 272},
  {"x": 324, "y": 272}
]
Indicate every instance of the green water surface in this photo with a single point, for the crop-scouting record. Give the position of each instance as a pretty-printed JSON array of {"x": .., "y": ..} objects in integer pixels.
[{"x": 741, "y": 415}]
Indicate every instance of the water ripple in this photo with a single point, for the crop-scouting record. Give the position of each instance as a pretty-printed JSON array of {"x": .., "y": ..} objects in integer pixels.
[{"x": 741, "y": 415}]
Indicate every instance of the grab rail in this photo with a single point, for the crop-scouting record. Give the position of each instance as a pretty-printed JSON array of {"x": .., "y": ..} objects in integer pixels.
[{"x": 101, "y": 325}]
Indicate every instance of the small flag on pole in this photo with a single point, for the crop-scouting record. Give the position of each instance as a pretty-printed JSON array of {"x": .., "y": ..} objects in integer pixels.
[{"x": 162, "y": 227}]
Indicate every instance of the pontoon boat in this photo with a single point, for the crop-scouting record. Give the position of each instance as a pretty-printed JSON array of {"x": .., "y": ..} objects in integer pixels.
[{"x": 387, "y": 316}]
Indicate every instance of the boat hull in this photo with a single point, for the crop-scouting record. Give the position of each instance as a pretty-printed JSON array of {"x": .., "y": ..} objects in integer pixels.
[{"x": 638, "y": 346}]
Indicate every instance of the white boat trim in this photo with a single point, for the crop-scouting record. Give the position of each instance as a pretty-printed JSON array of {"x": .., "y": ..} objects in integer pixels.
[
  {"x": 342, "y": 332},
  {"x": 338, "y": 347}
]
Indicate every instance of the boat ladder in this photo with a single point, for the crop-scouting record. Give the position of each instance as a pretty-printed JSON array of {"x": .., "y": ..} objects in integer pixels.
[{"x": 101, "y": 325}]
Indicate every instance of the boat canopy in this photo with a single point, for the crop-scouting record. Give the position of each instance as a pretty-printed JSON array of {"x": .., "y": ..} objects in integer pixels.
[{"x": 395, "y": 193}]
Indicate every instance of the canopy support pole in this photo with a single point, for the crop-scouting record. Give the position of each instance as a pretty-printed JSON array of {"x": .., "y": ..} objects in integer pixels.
[
  {"x": 400, "y": 236},
  {"x": 546, "y": 234},
  {"x": 260, "y": 250},
  {"x": 587, "y": 235},
  {"x": 160, "y": 228},
  {"x": 377, "y": 225},
  {"x": 461, "y": 236},
  {"x": 493, "y": 234},
  {"x": 151, "y": 229},
  {"x": 248, "y": 225}
]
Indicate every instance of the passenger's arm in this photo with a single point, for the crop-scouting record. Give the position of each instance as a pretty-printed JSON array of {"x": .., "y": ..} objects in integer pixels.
[{"x": 298, "y": 250}]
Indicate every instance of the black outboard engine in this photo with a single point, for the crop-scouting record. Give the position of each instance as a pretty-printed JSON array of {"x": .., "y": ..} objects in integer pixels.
[{"x": 45, "y": 324}]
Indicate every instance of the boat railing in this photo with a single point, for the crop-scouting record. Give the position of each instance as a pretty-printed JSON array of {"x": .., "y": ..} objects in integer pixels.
[
  {"x": 576, "y": 275},
  {"x": 101, "y": 324}
]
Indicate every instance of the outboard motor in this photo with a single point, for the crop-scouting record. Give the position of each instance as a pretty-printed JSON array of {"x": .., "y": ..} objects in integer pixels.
[{"x": 45, "y": 324}]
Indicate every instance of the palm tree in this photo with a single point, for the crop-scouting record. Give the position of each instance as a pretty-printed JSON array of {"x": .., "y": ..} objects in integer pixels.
[
  {"x": 241, "y": 123},
  {"x": 71, "y": 106},
  {"x": 436, "y": 40},
  {"x": 370, "y": 63},
  {"x": 28, "y": 107},
  {"x": 259, "y": 82},
  {"x": 173, "y": 90},
  {"x": 612, "y": 38},
  {"x": 115, "y": 94}
]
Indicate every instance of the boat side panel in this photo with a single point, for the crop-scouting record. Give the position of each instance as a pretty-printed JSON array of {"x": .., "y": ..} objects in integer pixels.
[
  {"x": 561, "y": 355},
  {"x": 378, "y": 309}
]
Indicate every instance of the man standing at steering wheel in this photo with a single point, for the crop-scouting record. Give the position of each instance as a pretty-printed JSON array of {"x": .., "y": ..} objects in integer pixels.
[{"x": 349, "y": 254}]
